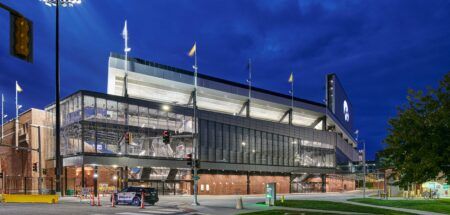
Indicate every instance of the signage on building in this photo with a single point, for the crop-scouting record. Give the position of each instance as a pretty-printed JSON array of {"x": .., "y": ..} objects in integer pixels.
[{"x": 339, "y": 103}]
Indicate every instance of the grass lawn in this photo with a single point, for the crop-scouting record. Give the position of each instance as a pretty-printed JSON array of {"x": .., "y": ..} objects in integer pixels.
[
  {"x": 439, "y": 206},
  {"x": 336, "y": 206},
  {"x": 285, "y": 212}
]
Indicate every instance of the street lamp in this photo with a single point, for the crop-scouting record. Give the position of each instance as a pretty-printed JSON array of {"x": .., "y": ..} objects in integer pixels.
[
  {"x": 64, "y": 3},
  {"x": 57, "y": 3}
]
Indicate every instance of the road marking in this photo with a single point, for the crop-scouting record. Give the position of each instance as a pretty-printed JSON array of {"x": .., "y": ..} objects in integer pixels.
[{"x": 130, "y": 213}]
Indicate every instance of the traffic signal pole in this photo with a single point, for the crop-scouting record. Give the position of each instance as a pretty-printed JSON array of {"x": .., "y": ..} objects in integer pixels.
[{"x": 195, "y": 140}]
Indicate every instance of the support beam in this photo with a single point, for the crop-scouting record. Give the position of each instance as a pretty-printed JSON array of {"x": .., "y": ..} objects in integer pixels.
[
  {"x": 324, "y": 183},
  {"x": 287, "y": 113},
  {"x": 245, "y": 106},
  {"x": 317, "y": 121},
  {"x": 83, "y": 182},
  {"x": 191, "y": 98}
]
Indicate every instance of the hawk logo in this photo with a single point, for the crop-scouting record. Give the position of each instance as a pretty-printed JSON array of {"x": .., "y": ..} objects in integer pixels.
[{"x": 346, "y": 112}]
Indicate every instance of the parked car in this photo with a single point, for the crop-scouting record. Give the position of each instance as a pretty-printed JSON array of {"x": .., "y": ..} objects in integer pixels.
[{"x": 132, "y": 196}]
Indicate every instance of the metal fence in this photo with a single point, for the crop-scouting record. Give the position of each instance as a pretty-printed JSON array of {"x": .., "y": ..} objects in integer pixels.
[{"x": 26, "y": 185}]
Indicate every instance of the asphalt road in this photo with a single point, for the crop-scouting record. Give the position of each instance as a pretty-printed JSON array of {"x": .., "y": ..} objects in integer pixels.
[{"x": 171, "y": 205}]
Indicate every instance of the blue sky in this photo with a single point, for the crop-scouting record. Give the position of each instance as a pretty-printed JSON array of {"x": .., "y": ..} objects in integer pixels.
[{"x": 379, "y": 49}]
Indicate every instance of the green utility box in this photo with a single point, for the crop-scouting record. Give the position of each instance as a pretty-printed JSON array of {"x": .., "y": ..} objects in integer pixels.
[{"x": 271, "y": 193}]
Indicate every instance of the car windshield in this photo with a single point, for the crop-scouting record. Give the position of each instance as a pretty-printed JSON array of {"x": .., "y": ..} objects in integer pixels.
[{"x": 139, "y": 189}]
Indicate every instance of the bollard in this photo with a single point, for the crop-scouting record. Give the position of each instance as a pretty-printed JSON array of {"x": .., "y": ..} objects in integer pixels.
[
  {"x": 282, "y": 199},
  {"x": 142, "y": 201},
  {"x": 92, "y": 200},
  {"x": 98, "y": 200},
  {"x": 239, "y": 204},
  {"x": 113, "y": 201}
]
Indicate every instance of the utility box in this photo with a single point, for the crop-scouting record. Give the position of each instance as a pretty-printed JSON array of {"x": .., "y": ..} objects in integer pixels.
[{"x": 271, "y": 193}]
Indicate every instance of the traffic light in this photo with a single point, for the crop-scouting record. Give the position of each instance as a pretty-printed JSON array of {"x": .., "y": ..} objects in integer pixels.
[
  {"x": 35, "y": 167},
  {"x": 166, "y": 137},
  {"x": 21, "y": 37},
  {"x": 127, "y": 138},
  {"x": 189, "y": 159}
]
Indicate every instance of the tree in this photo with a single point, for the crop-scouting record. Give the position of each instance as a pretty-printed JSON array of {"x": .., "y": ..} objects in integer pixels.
[{"x": 418, "y": 141}]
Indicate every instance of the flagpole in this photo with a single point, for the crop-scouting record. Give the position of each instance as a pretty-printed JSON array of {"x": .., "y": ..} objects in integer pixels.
[
  {"x": 3, "y": 101},
  {"x": 249, "y": 80},
  {"x": 292, "y": 93},
  {"x": 17, "y": 119},
  {"x": 195, "y": 129},
  {"x": 126, "y": 50}
]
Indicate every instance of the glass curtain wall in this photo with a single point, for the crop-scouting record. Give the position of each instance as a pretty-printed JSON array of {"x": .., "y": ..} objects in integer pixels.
[
  {"x": 221, "y": 142},
  {"x": 99, "y": 124}
]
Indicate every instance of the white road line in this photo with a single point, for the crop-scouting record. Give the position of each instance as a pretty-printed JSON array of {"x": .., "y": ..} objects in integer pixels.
[
  {"x": 131, "y": 213},
  {"x": 166, "y": 209}
]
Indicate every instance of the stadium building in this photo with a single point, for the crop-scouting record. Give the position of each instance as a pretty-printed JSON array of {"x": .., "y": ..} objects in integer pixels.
[{"x": 110, "y": 141}]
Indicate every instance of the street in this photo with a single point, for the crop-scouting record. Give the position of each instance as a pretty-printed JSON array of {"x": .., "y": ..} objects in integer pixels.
[{"x": 167, "y": 205}]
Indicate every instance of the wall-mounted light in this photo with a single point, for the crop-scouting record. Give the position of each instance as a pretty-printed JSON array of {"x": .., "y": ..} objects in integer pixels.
[
  {"x": 165, "y": 107},
  {"x": 95, "y": 175}
]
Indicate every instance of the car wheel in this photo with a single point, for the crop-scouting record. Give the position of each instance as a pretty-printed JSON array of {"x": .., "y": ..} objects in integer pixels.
[{"x": 136, "y": 201}]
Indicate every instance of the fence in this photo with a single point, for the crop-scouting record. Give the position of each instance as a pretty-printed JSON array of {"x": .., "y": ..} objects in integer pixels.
[{"x": 26, "y": 185}]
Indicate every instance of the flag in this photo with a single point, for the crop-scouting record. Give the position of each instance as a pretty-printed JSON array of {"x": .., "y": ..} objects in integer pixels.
[
  {"x": 291, "y": 78},
  {"x": 193, "y": 50},
  {"x": 125, "y": 31},
  {"x": 18, "y": 88}
]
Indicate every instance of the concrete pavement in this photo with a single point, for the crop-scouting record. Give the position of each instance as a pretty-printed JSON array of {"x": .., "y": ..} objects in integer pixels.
[{"x": 216, "y": 205}]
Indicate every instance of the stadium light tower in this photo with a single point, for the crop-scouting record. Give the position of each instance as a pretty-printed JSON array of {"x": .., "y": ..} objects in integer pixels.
[{"x": 57, "y": 3}]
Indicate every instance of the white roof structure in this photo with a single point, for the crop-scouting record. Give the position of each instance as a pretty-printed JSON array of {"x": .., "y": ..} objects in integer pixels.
[{"x": 156, "y": 82}]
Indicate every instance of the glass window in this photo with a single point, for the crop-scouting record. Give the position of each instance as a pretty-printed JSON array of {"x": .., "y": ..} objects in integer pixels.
[
  {"x": 240, "y": 145},
  {"x": 276, "y": 149},
  {"x": 100, "y": 109},
  {"x": 258, "y": 147},
  {"x": 270, "y": 154},
  {"x": 89, "y": 104},
  {"x": 264, "y": 148},
  {"x": 121, "y": 109},
  {"x": 111, "y": 111},
  {"x": 226, "y": 142},
  {"x": 203, "y": 140},
  {"x": 143, "y": 117},
  {"x": 133, "y": 117},
  {"x": 246, "y": 139},
  {"x": 211, "y": 141},
  {"x": 252, "y": 152},
  {"x": 233, "y": 144},
  {"x": 218, "y": 140}
]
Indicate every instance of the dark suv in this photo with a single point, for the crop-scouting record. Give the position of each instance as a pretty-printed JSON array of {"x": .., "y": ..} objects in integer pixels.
[{"x": 132, "y": 195}]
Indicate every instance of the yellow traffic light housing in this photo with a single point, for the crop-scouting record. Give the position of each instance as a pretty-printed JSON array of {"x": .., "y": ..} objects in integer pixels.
[{"x": 21, "y": 37}]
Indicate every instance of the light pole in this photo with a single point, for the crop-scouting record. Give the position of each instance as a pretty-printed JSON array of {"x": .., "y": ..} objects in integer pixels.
[
  {"x": 364, "y": 168},
  {"x": 58, "y": 161},
  {"x": 3, "y": 115},
  {"x": 363, "y": 161}
]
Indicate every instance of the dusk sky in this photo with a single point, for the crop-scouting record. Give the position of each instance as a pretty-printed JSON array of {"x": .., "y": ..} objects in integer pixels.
[{"x": 379, "y": 49}]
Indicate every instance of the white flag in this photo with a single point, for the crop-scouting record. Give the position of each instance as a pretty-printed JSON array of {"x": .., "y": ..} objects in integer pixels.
[
  {"x": 125, "y": 37},
  {"x": 125, "y": 31},
  {"x": 18, "y": 88}
]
